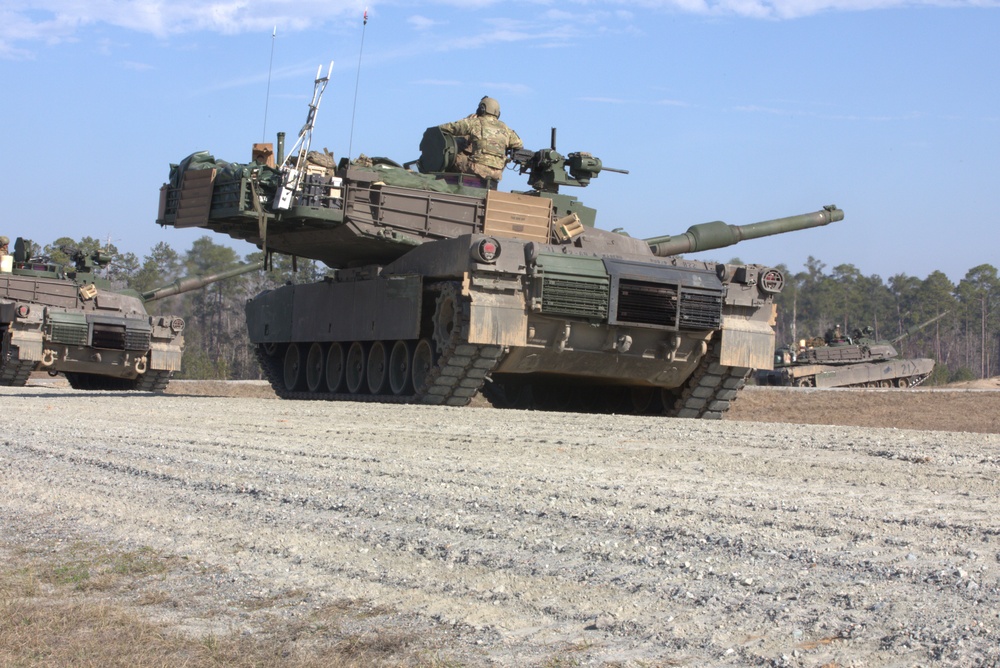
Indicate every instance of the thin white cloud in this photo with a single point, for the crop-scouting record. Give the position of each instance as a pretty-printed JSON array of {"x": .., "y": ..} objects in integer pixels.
[
  {"x": 788, "y": 9},
  {"x": 422, "y": 22},
  {"x": 135, "y": 66},
  {"x": 28, "y": 25},
  {"x": 516, "y": 88},
  {"x": 24, "y": 25}
]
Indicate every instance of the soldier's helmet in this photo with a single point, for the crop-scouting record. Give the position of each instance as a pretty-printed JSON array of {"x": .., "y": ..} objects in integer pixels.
[
  {"x": 488, "y": 106},
  {"x": 4, "y": 241}
]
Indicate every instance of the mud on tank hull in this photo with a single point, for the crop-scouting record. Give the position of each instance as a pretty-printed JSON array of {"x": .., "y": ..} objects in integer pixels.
[{"x": 537, "y": 326}]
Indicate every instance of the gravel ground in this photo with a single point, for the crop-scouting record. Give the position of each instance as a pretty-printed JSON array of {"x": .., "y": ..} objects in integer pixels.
[{"x": 523, "y": 538}]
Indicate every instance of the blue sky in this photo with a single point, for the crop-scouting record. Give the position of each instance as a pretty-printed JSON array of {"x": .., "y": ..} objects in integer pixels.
[{"x": 740, "y": 110}]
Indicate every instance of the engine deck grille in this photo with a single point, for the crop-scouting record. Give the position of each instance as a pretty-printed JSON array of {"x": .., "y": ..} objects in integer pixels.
[{"x": 585, "y": 299}]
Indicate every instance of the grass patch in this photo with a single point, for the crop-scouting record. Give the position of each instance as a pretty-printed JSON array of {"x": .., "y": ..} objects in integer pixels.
[{"x": 83, "y": 605}]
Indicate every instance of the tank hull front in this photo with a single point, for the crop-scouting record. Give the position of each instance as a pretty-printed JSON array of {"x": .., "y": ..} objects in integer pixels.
[{"x": 98, "y": 339}]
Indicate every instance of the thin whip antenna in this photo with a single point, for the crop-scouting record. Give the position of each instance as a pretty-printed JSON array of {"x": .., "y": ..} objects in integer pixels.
[
  {"x": 267, "y": 97},
  {"x": 350, "y": 142}
]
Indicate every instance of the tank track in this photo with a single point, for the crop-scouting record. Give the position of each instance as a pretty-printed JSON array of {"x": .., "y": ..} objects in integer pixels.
[
  {"x": 154, "y": 380},
  {"x": 14, "y": 372},
  {"x": 901, "y": 382},
  {"x": 710, "y": 390},
  {"x": 460, "y": 368},
  {"x": 707, "y": 394}
]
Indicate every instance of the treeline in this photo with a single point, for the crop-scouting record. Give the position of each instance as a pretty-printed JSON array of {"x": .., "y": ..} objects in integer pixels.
[{"x": 965, "y": 342}]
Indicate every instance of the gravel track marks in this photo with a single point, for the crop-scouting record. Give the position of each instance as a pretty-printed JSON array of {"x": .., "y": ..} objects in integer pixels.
[{"x": 618, "y": 539}]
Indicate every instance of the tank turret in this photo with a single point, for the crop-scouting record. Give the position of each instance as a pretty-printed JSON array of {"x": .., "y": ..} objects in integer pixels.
[
  {"x": 442, "y": 287},
  {"x": 68, "y": 319},
  {"x": 859, "y": 360}
]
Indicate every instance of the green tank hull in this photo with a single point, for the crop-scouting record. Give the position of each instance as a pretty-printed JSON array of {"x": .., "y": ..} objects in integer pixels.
[
  {"x": 856, "y": 361},
  {"x": 442, "y": 287},
  {"x": 436, "y": 296},
  {"x": 72, "y": 323}
]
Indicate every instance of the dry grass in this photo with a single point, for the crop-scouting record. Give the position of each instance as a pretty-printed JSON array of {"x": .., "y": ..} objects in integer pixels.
[{"x": 83, "y": 606}]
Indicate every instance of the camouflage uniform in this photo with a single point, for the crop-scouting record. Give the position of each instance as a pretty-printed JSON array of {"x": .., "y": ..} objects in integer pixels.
[
  {"x": 3, "y": 245},
  {"x": 487, "y": 141}
]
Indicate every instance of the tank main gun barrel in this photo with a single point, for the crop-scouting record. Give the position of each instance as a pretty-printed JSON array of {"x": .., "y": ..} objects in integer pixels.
[
  {"x": 717, "y": 234},
  {"x": 196, "y": 282},
  {"x": 917, "y": 328}
]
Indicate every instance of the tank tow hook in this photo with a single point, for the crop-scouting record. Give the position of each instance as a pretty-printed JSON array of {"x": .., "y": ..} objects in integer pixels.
[
  {"x": 562, "y": 337},
  {"x": 140, "y": 365},
  {"x": 48, "y": 357}
]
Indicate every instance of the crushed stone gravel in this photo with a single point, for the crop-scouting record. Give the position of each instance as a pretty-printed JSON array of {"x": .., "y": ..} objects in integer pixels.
[{"x": 523, "y": 536}]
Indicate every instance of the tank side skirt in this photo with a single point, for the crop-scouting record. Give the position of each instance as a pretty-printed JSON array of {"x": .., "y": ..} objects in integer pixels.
[{"x": 456, "y": 377}]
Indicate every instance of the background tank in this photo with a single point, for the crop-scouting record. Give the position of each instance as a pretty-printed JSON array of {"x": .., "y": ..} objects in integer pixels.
[
  {"x": 71, "y": 321},
  {"x": 442, "y": 286},
  {"x": 840, "y": 361}
]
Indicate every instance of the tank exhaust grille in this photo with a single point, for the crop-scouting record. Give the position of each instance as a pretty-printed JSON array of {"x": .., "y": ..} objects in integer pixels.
[
  {"x": 647, "y": 303},
  {"x": 584, "y": 299},
  {"x": 109, "y": 337},
  {"x": 668, "y": 305}
]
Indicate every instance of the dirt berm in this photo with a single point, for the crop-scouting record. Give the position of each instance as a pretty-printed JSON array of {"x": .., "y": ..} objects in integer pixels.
[{"x": 867, "y": 538}]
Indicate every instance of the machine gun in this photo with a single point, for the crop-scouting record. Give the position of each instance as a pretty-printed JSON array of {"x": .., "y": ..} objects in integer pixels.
[{"x": 548, "y": 169}]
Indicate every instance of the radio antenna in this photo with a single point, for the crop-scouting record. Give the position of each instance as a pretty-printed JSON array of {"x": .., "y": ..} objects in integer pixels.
[
  {"x": 350, "y": 143},
  {"x": 267, "y": 96}
]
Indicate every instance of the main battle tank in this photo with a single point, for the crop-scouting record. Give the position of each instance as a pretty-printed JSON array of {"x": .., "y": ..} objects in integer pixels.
[
  {"x": 859, "y": 360},
  {"x": 71, "y": 321},
  {"x": 443, "y": 286}
]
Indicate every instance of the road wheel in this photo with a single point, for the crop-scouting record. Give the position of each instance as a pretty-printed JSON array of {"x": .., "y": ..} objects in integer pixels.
[
  {"x": 335, "y": 367},
  {"x": 314, "y": 367},
  {"x": 355, "y": 371},
  {"x": 378, "y": 368},
  {"x": 400, "y": 361},
  {"x": 423, "y": 362},
  {"x": 294, "y": 374}
]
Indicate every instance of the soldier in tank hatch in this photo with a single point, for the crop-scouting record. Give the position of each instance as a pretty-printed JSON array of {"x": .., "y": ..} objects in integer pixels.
[{"x": 487, "y": 141}]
